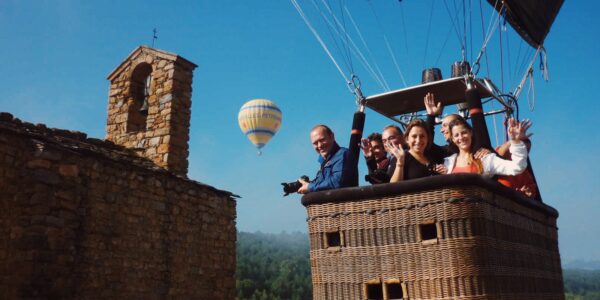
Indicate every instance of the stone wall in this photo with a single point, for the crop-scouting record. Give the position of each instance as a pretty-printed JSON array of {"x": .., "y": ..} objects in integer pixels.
[{"x": 81, "y": 218}]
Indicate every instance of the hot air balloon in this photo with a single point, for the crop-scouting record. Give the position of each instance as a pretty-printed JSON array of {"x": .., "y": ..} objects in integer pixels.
[{"x": 259, "y": 120}]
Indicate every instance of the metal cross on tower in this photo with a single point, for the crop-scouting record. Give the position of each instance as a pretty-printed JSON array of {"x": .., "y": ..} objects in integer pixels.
[{"x": 154, "y": 36}]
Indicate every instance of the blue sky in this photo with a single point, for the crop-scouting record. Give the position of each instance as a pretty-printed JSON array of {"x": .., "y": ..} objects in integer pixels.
[{"x": 55, "y": 56}]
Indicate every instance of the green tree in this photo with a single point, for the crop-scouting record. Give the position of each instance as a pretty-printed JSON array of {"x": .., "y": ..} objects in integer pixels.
[{"x": 273, "y": 266}]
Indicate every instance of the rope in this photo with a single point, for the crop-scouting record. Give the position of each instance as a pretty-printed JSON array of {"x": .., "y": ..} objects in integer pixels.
[
  {"x": 369, "y": 53},
  {"x": 339, "y": 27},
  {"x": 347, "y": 59},
  {"x": 544, "y": 63},
  {"x": 344, "y": 27},
  {"x": 464, "y": 7},
  {"x": 501, "y": 62},
  {"x": 405, "y": 35},
  {"x": 487, "y": 63},
  {"x": 520, "y": 61},
  {"x": 455, "y": 27},
  {"x": 491, "y": 29},
  {"x": 519, "y": 88},
  {"x": 531, "y": 93},
  {"x": 428, "y": 31},
  {"x": 387, "y": 44},
  {"x": 471, "y": 29},
  {"x": 354, "y": 48},
  {"x": 312, "y": 29},
  {"x": 443, "y": 47},
  {"x": 508, "y": 56},
  {"x": 524, "y": 62}
]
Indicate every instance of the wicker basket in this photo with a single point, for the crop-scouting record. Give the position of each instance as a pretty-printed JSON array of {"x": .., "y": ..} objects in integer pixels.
[{"x": 446, "y": 237}]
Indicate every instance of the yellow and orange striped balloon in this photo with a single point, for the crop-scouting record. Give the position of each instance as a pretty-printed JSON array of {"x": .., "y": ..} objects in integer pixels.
[{"x": 259, "y": 120}]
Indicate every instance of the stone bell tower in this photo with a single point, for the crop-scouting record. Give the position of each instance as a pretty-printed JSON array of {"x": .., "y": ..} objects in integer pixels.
[{"x": 149, "y": 106}]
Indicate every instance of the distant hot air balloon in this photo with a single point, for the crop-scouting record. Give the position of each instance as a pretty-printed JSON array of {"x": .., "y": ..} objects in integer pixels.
[{"x": 259, "y": 120}]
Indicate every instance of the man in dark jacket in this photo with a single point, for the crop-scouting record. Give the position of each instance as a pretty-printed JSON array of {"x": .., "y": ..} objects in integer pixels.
[{"x": 338, "y": 166}]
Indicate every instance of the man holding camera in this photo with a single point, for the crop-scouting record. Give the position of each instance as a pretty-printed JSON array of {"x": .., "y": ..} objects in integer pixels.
[{"x": 338, "y": 166}]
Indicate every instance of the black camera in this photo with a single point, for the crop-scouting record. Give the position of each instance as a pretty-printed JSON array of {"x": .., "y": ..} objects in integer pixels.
[
  {"x": 378, "y": 176},
  {"x": 293, "y": 187}
]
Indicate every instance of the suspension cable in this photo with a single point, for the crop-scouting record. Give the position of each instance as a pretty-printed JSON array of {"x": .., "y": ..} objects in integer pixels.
[
  {"x": 471, "y": 29},
  {"x": 491, "y": 29},
  {"x": 443, "y": 47},
  {"x": 340, "y": 27},
  {"x": 519, "y": 62},
  {"x": 455, "y": 27},
  {"x": 387, "y": 44},
  {"x": 508, "y": 56},
  {"x": 531, "y": 93},
  {"x": 354, "y": 48},
  {"x": 369, "y": 53},
  {"x": 528, "y": 72},
  {"x": 323, "y": 45},
  {"x": 487, "y": 63},
  {"x": 428, "y": 31},
  {"x": 464, "y": 29},
  {"x": 405, "y": 35},
  {"x": 331, "y": 28},
  {"x": 501, "y": 61}
]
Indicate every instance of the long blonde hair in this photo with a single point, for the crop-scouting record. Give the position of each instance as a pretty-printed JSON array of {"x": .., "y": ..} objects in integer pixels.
[{"x": 471, "y": 160}]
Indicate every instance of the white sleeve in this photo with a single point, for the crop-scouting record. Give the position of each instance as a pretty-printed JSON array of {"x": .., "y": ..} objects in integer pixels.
[
  {"x": 494, "y": 165},
  {"x": 449, "y": 163}
]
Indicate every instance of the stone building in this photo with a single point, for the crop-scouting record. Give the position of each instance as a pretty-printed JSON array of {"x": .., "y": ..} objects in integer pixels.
[{"x": 83, "y": 218}]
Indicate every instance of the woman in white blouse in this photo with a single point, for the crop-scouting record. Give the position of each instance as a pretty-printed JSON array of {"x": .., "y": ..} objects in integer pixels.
[{"x": 489, "y": 165}]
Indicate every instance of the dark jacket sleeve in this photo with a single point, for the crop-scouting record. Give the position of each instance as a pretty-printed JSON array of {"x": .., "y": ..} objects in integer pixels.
[
  {"x": 431, "y": 126},
  {"x": 436, "y": 153},
  {"x": 371, "y": 164}
]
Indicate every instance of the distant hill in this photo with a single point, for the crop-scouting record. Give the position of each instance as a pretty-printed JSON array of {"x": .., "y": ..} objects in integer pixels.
[
  {"x": 277, "y": 267},
  {"x": 581, "y": 264}
]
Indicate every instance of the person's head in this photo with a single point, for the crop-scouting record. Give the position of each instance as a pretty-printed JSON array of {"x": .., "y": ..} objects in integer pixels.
[
  {"x": 445, "y": 122},
  {"x": 322, "y": 139},
  {"x": 376, "y": 145},
  {"x": 417, "y": 136},
  {"x": 462, "y": 134},
  {"x": 393, "y": 134}
]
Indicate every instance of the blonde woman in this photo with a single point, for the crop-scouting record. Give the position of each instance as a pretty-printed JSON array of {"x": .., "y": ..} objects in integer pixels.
[{"x": 489, "y": 165}]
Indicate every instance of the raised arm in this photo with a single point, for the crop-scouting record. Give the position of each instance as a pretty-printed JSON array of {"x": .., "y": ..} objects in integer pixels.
[
  {"x": 433, "y": 110},
  {"x": 523, "y": 136},
  {"x": 368, "y": 153},
  {"x": 517, "y": 148},
  {"x": 399, "y": 153}
]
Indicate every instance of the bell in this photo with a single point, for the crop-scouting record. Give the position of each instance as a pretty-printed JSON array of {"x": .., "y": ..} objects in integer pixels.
[
  {"x": 144, "y": 108},
  {"x": 431, "y": 75}
]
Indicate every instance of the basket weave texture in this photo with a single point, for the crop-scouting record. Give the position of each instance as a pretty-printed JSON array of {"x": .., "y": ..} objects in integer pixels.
[{"x": 462, "y": 242}]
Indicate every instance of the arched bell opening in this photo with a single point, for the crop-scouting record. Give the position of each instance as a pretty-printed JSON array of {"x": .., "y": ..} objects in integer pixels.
[{"x": 140, "y": 91}]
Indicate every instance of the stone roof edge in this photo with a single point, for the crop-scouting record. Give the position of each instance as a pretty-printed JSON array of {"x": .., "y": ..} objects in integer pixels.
[
  {"x": 39, "y": 131},
  {"x": 158, "y": 52}
]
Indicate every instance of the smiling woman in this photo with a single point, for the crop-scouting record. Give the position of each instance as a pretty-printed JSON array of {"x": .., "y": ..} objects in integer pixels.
[
  {"x": 417, "y": 162},
  {"x": 490, "y": 164}
]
